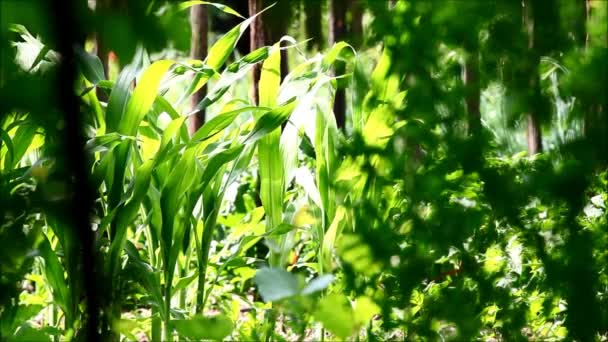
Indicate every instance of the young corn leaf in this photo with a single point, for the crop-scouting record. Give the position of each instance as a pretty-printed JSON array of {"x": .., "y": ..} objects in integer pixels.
[
  {"x": 270, "y": 121},
  {"x": 219, "y": 53},
  {"x": 276, "y": 284},
  {"x": 325, "y": 137},
  {"x": 143, "y": 96},
  {"x": 329, "y": 239},
  {"x": 90, "y": 66},
  {"x": 121, "y": 92},
  {"x": 187, "y": 4},
  {"x": 10, "y": 150},
  {"x": 54, "y": 276},
  {"x": 272, "y": 177},
  {"x": 221, "y": 121},
  {"x": 204, "y": 328}
]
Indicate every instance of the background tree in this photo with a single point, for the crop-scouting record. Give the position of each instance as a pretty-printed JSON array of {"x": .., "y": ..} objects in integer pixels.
[
  {"x": 337, "y": 32},
  {"x": 199, "y": 23}
]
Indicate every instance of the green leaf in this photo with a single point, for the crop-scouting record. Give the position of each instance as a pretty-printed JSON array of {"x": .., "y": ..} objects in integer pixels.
[
  {"x": 221, "y": 121},
  {"x": 105, "y": 142},
  {"x": 27, "y": 333},
  {"x": 270, "y": 78},
  {"x": 90, "y": 66},
  {"x": 182, "y": 283},
  {"x": 318, "y": 284},
  {"x": 121, "y": 92},
  {"x": 365, "y": 310},
  {"x": 272, "y": 168},
  {"x": 143, "y": 96},
  {"x": 330, "y": 237},
  {"x": 271, "y": 120},
  {"x": 54, "y": 275},
  {"x": 275, "y": 284},
  {"x": 145, "y": 274},
  {"x": 10, "y": 149},
  {"x": 219, "y": 53},
  {"x": 332, "y": 55},
  {"x": 327, "y": 161},
  {"x": 253, "y": 57},
  {"x": 281, "y": 229},
  {"x": 22, "y": 141},
  {"x": 187, "y": 4},
  {"x": 204, "y": 328},
  {"x": 336, "y": 314}
]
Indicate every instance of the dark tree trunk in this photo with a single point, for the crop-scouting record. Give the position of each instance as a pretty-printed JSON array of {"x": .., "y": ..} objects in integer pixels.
[
  {"x": 595, "y": 123},
  {"x": 256, "y": 41},
  {"x": 356, "y": 22},
  {"x": 337, "y": 32},
  {"x": 74, "y": 165},
  {"x": 313, "y": 14},
  {"x": 276, "y": 25},
  {"x": 534, "y": 135},
  {"x": 198, "y": 50},
  {"x": 101, "y": 50}
]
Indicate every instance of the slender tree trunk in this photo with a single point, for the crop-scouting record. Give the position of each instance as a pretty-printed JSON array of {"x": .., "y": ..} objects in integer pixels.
[
  {"x": 534, "y": 135},
  {"x": 595, "y": 123},
  {"x": 199, "y": 22},
  {"x": 356, "y": 22},
  {"x": 337, "y": 32},
  {"x": 587, "y": 110},
  {"x": 256, "y": 41},
  {"x": 276, "y": 24},
  {"x": 312, "y": 23},
  {"x": 73, "y": 166},
  {"x": 101, "y": 50}
]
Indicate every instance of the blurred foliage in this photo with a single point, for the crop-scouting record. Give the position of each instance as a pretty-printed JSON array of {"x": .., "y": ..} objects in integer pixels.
[{"x": 419, "y": 221}]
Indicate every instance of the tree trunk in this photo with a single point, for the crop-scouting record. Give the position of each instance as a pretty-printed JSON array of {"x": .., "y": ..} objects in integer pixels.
[
  {"x": 337, "y": 32},
  {"x": 256, "y": 41},
  {"x": 356, "y": 22},
  {"x": 276, "y": 25},
  {"x": 534, "y": 135},
  {"x": 199, "y": 22},
  {"x": 595, "y": 124},
  {"x": 101, "y": 51},
  {"x": 312, "y": 23}
]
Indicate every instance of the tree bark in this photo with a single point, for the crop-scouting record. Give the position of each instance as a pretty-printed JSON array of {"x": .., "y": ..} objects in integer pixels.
[
  {"x": 100, "y": 49},
  {"x": 312, "y": 23},
  {"x": 337, "y": 32},
  {"x": 256, "y": 41},
  {"x": 595, "y": 124},
  {"x": 534, "y": 134},
  {"x": 276, "y": 25},
  {"x": 199, "y": 22},
  {"x": 356, "y": 22}
]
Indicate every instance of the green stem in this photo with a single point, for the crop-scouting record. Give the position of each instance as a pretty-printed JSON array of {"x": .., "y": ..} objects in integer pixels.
[
  {"x": 271, "y": 319},
  {"x": 166, "y": 332},
  {"x": 156, "y": 326},
  {"x": 203, "y": 260}
]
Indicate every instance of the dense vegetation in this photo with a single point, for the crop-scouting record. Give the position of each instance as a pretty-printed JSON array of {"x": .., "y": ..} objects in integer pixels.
[{"x": 303, "y": 170}]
